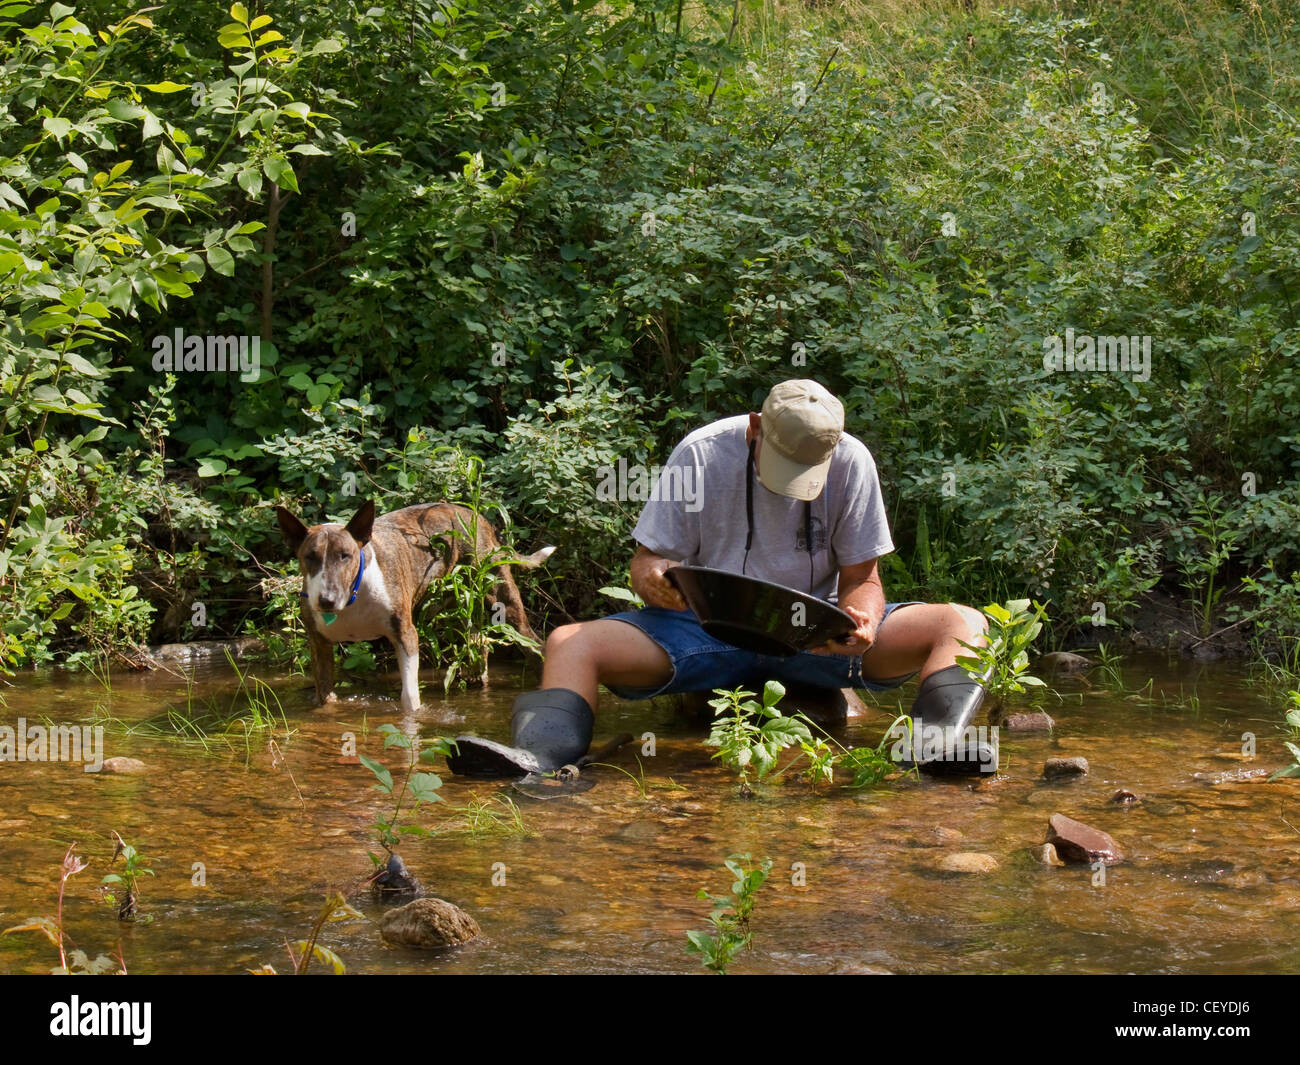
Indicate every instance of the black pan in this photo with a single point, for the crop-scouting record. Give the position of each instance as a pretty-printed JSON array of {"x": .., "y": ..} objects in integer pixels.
[{"x": 759, "y": 615}]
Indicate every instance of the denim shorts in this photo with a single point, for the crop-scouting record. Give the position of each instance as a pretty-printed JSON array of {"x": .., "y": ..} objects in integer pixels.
[{"x": 702, "y": 662}]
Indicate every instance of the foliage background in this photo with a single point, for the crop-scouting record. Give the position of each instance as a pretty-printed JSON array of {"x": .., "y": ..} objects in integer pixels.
[{"x": 434, "y": 216}]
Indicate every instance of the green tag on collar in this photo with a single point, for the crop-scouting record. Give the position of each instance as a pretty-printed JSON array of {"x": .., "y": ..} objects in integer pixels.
[{"x": 329, "y": 618}]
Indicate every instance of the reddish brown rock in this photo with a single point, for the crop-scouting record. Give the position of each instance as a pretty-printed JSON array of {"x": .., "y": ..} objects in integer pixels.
[
  {"x": 1125, "y": 797},
  {"x": 1077, "y": 842}
]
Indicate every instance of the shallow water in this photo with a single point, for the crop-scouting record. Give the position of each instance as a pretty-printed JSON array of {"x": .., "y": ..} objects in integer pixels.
[{"x": 607, "y": 880}]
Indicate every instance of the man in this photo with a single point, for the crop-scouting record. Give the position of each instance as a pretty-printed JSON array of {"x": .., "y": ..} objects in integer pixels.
[{"x": 785, "y": 496}]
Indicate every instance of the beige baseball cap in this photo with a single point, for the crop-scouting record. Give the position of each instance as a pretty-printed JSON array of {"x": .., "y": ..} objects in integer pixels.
[{"x": 802, "y": 423}]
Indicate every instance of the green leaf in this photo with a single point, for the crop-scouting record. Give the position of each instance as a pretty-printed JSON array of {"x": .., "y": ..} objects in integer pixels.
[
  {"x": 277, "y": 168},
  {"x": 394, "y": 737},
  {"x": 211, "y": 467},
  {"x": 221, "y": 261},
  {"x": 384, "y": 777}
]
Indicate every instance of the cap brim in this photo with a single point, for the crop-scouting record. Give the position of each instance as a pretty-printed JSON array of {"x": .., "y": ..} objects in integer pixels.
[{"x": 788, "y": 478}]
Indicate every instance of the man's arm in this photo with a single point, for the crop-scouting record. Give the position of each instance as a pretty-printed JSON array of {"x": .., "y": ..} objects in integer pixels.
[
  {"x": 862, "y": 596},
  {"x": 648, "y": 580}
]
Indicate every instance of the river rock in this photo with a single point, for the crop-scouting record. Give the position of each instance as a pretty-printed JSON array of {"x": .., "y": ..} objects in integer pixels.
[
  {"x": 968, "y": 862},
  {"x": 1060, "y": 768},
  {"x": 1077, "y": 842},
  {"x": 1124, "y": 797},
  {"x": 123, "y": 765},
  {"x": 396, "y": 882},
  {"x": 1036, "y": 722},
  {"x": 428, "y": 924},
  {"x": 205, "y": 650},
  {"x": 1046, "y": 854},
  {"x": 1063, "y": 662}
]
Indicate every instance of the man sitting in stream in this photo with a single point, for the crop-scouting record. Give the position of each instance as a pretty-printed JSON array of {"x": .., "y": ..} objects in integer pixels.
[{"x": 786, "y": 496}]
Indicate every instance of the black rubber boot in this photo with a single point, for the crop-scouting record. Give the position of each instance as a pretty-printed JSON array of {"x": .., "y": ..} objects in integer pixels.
[
  {"x": 948, "y": 700},
  {"x": 549, "y": 728}
]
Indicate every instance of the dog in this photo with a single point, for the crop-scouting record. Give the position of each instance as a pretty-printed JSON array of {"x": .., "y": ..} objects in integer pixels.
[{"x": 363, "y": 580}]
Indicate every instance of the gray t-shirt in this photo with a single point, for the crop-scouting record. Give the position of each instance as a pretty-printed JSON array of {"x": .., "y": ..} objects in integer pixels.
[{"x": 701, "y": 518}]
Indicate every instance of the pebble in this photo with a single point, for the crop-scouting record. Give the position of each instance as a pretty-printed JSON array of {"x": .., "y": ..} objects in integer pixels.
[
  {"x": 1063, "y": 662},
  {"x": 1058, "y": 768},
  {"x": 939, "y": 836},
  {"x": 967, "y": 862},
  {"x": 123, "y": 766},
  {"x": 1037, "y": 722}
]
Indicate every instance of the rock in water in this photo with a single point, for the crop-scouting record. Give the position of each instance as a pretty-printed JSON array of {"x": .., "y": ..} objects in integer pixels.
[
  {"x": 123, "y": 765},
  {"x": 396, "y": 882},
  {"x": 1124, "y": 797},
  {"x": 428, "y": 924},
  {"x": 1076, "y": 842},
  {"x": 1059, "y": 768},
  {"x": 1046, "y": 854},
  {"x": 1063, "y": 662},
  {"x": 968, "y": 862},
  {"x": 1036, "y": 722}
]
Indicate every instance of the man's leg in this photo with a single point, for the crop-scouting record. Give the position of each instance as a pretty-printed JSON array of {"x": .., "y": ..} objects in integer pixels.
[
  {"x": 923, "y": 636},
  {"x": 552, "y": 726},
  {"x": 928, "y": 637},
  {"x": 585, "y": 655}
]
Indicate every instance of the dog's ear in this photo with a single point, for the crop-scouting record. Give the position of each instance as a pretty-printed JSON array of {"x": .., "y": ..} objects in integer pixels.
[
  {"x": 295, "y": 532},
  {"x": 363, "y": 522}
]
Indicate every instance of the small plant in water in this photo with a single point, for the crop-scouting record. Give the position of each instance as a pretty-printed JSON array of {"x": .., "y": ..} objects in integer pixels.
[
  {"x": 750, "y": 735},
  {"x": 1108, "y": 669},
  {"x": 871, "y": 765},
  {"x": 415, "y": 788},
  {"x": 303, "y": 952},
  {"x": 1293, "y": 724},
  {"x": 1002, "y": 665},
  {"x": 74, "y": 962},
  {"x": 497, "y": 816},
  {"x": 730, "y": 917},
  {"x": 123, "y": 889}
]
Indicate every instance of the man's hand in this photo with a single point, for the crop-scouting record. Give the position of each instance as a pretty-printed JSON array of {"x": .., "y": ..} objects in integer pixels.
[
  {"x": 856, "y": 644},
  {"x": 650, "y": 583}
]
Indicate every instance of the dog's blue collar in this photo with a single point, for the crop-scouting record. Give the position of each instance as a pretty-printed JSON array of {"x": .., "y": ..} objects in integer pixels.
[{"x": 356, "y": 585}]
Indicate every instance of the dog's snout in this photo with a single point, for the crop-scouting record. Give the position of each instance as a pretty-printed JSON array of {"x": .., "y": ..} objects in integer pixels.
[{"x": 326, "y": 603}]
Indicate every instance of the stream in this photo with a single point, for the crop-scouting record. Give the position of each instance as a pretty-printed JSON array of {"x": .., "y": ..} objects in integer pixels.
[{"x": 606, "y": 881}]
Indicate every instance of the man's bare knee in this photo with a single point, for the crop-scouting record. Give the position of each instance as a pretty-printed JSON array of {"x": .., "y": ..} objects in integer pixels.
[
  {"x": 566, "y": 638},
  {"x": 970, "y": 624}
]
